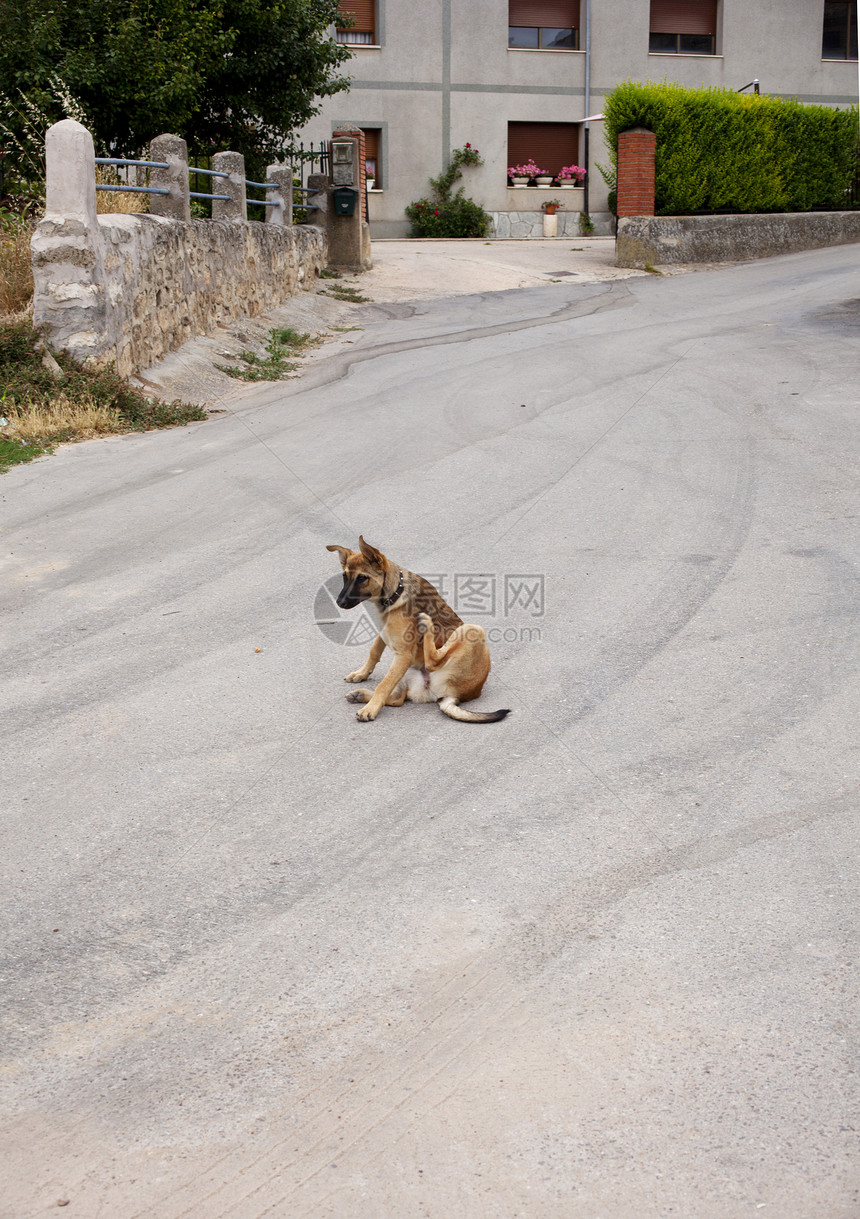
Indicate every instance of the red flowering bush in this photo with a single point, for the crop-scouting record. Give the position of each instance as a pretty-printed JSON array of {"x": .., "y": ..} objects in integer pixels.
[{"x": 447, "y": 215}]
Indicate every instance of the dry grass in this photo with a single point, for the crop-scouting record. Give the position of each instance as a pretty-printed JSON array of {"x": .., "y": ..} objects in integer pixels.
[
  {"x": 16, "y": 273},
  {"x": 113, "y": 202},
  {"x": 61, "y": 419}
]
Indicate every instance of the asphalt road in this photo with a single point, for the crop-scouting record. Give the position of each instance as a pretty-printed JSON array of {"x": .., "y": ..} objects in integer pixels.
[{"x": 594, "y": 961}]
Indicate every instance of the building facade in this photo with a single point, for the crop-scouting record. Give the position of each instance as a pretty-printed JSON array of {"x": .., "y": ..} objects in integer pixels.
[{"x": 523, "y": 78}]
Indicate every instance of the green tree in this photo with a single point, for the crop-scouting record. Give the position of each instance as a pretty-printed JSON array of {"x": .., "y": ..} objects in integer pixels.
[{"x": 237, "y": 74}]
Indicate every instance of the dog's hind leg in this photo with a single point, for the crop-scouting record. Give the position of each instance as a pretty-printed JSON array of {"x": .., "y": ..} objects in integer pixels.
[{"x": 434, "y": 656}]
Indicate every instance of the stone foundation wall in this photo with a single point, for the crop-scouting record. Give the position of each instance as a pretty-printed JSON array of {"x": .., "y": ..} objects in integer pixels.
[
  {"x": 140, "y": 286},
  {"x": 654, "y": 240},
  {"x": 530, "y": 224},
  {"x": 131, "y": 288}
]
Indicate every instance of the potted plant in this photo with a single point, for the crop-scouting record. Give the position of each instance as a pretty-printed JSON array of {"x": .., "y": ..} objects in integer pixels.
[
  {"x": 551, "y": 206},
  {"x": 570, "y": 176},
  {"x": 522, "y": 173}
]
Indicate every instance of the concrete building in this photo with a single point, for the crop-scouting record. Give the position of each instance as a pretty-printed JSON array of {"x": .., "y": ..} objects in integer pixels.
[{"x": 519, "y": 77}]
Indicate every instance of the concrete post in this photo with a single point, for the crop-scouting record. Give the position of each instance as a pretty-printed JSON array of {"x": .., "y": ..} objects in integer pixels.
[
  {"x": 348, "y": 236},
  {"x": 283, "y": 176},
  {"x": 319, "y": 194},
  {"x": 236, "y": 208},
  {"x": 173, "y": 150},
  {"x": 69, "y": 296},
  {"x": 637, "y": 154},
  {"x": 70, "y": 172}
]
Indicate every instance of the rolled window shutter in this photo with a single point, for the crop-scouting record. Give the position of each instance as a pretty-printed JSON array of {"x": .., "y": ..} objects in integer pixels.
[
  {"x": 371, "y": 142},
  {"x": 555, "y": 14},
  {"x": 552, "y": 145},
  {"x": 371, "y": 151},
  {"x": 683, "y": 16},
  {"x": 362, "y": 12}
]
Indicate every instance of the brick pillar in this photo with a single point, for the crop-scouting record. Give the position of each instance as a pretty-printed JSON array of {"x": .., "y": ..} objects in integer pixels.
[
  {"x": 355, "y": 133},
  {"x": 349, "y": 237},
  {"x": 637, "y": 151}
]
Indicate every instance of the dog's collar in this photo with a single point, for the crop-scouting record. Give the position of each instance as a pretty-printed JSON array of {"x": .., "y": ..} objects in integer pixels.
[{"x": 387, "y": 602}]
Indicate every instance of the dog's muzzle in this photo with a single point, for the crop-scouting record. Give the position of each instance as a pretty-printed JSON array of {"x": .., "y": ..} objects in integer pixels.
[{"x": 349, "y": 596}]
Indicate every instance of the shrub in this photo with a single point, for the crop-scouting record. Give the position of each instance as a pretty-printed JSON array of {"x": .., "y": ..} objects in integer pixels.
[
  {"x": 29, "y": 388},
  {"x": 445, "y": 215},
  {"x": 458, "y": 217},
  {"x": 718, "y": 150},
  {"x": 16, "y": 273}
]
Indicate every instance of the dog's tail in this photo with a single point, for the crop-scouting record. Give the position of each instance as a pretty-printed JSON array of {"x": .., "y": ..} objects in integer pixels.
[{"x": 449, "y": 706}]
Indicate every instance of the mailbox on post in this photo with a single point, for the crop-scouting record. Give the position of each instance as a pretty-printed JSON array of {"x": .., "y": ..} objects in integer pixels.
[
  {"x": 344, "y": 200},
  {"x": 346, "y": 227}
]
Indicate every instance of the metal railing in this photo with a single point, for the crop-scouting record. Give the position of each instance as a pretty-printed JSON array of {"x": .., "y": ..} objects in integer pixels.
[
  {"x": 314, "y": 159},
  {"x": 127, "y": 188},
  {"x": 209, "y": 173},
  {"x": 309, "y": 158},
  {"x": 263, "y": 186},
  {"x": 306, "y": 160}
]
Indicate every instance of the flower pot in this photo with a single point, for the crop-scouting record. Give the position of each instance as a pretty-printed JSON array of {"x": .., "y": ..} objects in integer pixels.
[
  {"x": 544, "y": 180},
  {"x": 520, "y": 181},
  {"x": 371, "y": 183},
  {"x": 550, "y": 209}
]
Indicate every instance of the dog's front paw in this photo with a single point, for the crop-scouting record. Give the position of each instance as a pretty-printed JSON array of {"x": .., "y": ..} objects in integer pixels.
[
  {"x": 358, "y": 675},
  {"x": 366, "y": 715},
  {"x": 359, "y": 696},
  {"x": 425, "y": 623}
]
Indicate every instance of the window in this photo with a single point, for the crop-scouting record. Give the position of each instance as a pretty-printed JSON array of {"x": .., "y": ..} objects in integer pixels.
[
  {"x": 839, "y": 40},
  {"x": 550, "y": 145},
  {"x": 547, "y": 25},
  {"x": 372, "y": 159},
  {"x": 362, "y": 14},
  {"x": 683, "y": 27}
]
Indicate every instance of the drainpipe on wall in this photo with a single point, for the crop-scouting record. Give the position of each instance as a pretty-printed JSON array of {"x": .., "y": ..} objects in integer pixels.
[{"x": 588, "y": 93}]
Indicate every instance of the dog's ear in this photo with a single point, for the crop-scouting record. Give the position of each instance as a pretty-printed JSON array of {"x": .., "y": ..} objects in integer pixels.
[
  {"x": 343, "y": 553},
  {"x": 375, "y": 557}
]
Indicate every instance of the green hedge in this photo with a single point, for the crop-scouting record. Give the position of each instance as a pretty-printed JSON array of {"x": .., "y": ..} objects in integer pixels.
[{"x": 718, "y": 150}]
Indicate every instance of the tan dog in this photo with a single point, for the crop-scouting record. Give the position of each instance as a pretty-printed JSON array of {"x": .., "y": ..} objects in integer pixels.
[{"x": 437, "y": 657}]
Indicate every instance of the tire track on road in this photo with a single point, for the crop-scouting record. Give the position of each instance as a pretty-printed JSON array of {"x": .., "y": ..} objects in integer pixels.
[{"x": 460, "y": 1013}]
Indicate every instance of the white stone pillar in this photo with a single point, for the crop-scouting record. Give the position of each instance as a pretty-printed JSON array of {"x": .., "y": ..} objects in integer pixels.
[
  {"x": 283, "y": 176},
  {"x": 550, "y": 225},
  {"x": 234, "y": 208},
  {"x": 70, "y": 172},
  {"x": 173, "y": 151},
  {"x": 68, "y": 256}
]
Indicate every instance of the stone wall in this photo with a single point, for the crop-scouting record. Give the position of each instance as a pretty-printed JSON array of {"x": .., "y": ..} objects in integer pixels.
[
  {"x": 131, "y": 288},
  {"x": 530, "y": 224},
  {"x": 643, "y": 240}
]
